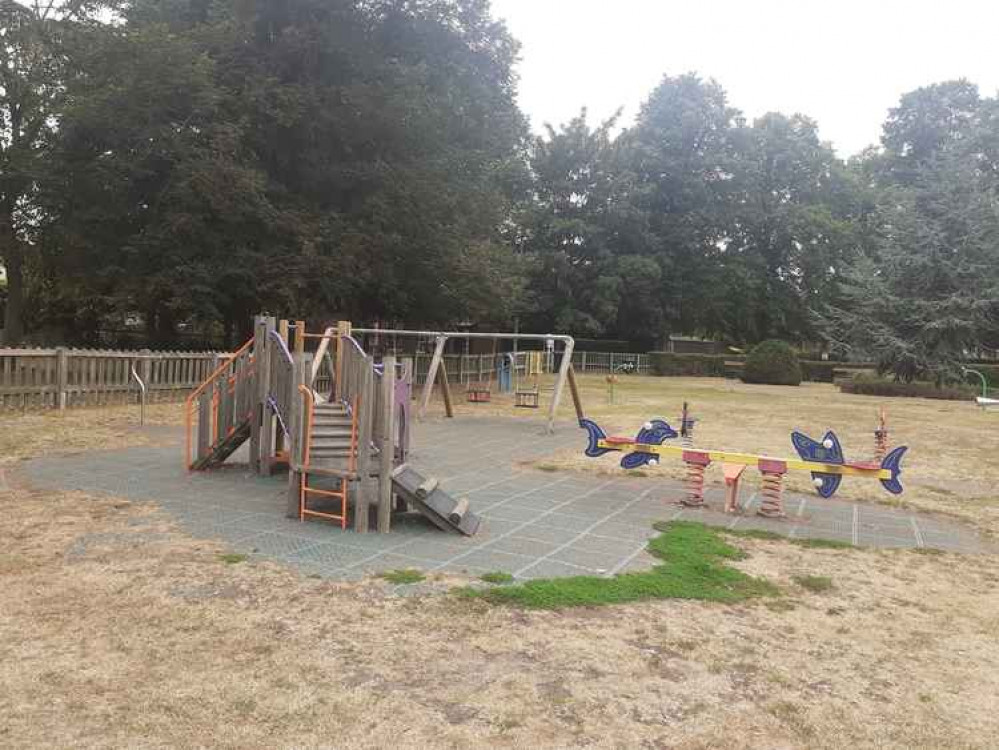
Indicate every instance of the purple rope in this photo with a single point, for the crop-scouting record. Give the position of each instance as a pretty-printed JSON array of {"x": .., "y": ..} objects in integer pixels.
[
  {"x": 283, "y": 346},
  {"x": 277, "y": 413}
]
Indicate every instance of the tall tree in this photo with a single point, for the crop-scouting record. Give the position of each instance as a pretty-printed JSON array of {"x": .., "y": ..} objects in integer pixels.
[
  {"x": 791, "y": 222},
  {"x": 927, "y": 122},
  {"x": 681, "y": 154},
  {"x": 321, "y": 158},
  {"x": 923, "y": 293},
  {"x": 32, "y": 71},
  {"x": 569, "y": 229},
  {"x": 926, "y": 295}
]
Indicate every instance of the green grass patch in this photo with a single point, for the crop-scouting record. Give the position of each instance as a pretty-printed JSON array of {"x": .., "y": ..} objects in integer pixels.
[
  {"x": 823, "y": 544},
  {"x": 693, "y": 567},
  {"x": 497, "y": 576},
  {"x": 815, "y": 584},
  {"x": 231, "y": 558},
  {"x": 770, "y": 536},
  {"x": 408, "y": 575},
  {"x": 773, "y": 536}
]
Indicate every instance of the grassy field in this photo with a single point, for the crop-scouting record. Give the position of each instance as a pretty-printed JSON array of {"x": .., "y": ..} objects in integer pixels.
[
  {"x": 118, "y": 630},
  {"x": 952, "y": 465}
]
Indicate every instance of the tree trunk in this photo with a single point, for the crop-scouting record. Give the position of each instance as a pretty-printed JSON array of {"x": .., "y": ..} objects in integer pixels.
[
  {"x": 12, "y": 255},
  {"x": 13, "y": 330}
]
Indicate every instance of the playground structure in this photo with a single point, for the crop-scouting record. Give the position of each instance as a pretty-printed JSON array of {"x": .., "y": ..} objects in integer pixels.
[
  {"x": 481, "y": 392},
  {"x": 824, "y": 460},
  {"x": 337, "y": 419}
]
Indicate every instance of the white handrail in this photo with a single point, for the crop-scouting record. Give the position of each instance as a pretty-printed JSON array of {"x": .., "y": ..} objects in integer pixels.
[{"x": 142, "y": 396}]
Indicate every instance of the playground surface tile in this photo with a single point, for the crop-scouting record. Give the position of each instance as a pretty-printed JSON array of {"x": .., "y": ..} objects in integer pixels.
[{"x": 535, "y": 524}]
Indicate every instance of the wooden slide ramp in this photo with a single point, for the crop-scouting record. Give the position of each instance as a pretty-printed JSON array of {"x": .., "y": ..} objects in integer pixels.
[
  {"x": 224, "y": 447},
  {"x": 426, "y": 495}
]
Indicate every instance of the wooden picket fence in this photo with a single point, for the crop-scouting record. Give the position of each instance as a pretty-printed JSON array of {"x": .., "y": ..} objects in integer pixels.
[{"x": 33, "y": 379}]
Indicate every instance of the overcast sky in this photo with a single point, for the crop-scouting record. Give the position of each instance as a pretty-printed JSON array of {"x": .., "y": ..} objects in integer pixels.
[{"x": 841, "y": 62}]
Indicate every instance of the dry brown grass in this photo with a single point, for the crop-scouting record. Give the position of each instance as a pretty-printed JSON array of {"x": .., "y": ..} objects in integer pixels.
[
  {"x": 117, "y": 630},
  {"x": 951, "y": 467},
  {"x": 77, "y": 430}
]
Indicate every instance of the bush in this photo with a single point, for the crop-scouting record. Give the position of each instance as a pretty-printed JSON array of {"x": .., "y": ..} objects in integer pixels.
[
  {"x": 772, "y": 363},
  {"x": 699, "y": 365},
  {"x": 870, "y": 385}
]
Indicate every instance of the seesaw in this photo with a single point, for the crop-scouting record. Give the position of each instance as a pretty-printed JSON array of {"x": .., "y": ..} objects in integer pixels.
[{"x": 824, "y": 460}]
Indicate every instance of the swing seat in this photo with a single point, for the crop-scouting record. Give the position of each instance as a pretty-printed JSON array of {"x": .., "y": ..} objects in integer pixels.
[
  {"x": 527, "y": 397},
  {"x": 478, "y": 393}
]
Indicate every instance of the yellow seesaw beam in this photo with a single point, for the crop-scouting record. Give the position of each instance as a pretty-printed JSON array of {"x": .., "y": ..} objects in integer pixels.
[{"x": 749, "y": 459}]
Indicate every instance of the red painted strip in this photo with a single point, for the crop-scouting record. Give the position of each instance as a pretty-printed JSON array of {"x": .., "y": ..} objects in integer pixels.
[
  {"x": 619, "y": 440},
  {"x": 697, "y": 457},
  {"x": 772, "y": 466}
]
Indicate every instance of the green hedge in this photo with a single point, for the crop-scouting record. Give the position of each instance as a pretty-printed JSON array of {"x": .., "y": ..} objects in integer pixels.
[
  {"x": 772, "y": 362},
  {"x": 824, "y": 371},
  {"x": 699, "y": 365},
  {"x": 869, "y": 385},
  {"x": 713, "y": 366}
]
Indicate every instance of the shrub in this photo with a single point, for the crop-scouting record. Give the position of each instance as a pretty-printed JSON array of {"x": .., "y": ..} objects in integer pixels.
[
  {"x": 698, "y": 365},
  {"x": 772, "y": 363},
  {"x": 870, "y": 385}
]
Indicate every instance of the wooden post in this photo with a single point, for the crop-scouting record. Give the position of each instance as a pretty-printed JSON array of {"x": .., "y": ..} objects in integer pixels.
[
  {"x": 428, "y": 385},
  {"x": 324, "y": 345},
  {"x": 299, "y": 342},
  {"x": 582, "y": 365},
  {"x": 61, "y": 377},
  {"x": 365, "y": 423},
  {"x": 408, "y": 370},
  {"x": 261, "y": 372},
  {"x": 299, "y": 336},
  {"x": 343, "y": 328},
  {"x": 267, "y": 420},
  {"x": 146, "y": 371},
  {"x": 296, "y": 423},
  {"x": 560, "y": 383},
  {"x": 386, "y": 457},
  {"x": 574, "y": 391},
  {"x": 446, "y": 391}
]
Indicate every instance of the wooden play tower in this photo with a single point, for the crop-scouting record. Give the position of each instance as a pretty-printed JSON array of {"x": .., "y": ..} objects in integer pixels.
[{"x": 315, "y": 403}]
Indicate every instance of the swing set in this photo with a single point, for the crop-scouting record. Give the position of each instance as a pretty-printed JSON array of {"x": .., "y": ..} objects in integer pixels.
[{"x": 482, "y": 392}]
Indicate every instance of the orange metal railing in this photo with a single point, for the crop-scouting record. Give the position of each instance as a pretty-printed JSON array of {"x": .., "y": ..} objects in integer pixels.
[
  {"x": 210, "y": 381},
  {"x": 304, "y": 490}
]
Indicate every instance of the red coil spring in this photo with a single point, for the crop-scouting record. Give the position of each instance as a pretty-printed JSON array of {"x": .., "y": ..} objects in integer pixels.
[
  {"x": 880, "y": 444},
  {"x": 772, "y": 504},
  {"x": 695, "y": 484}
]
